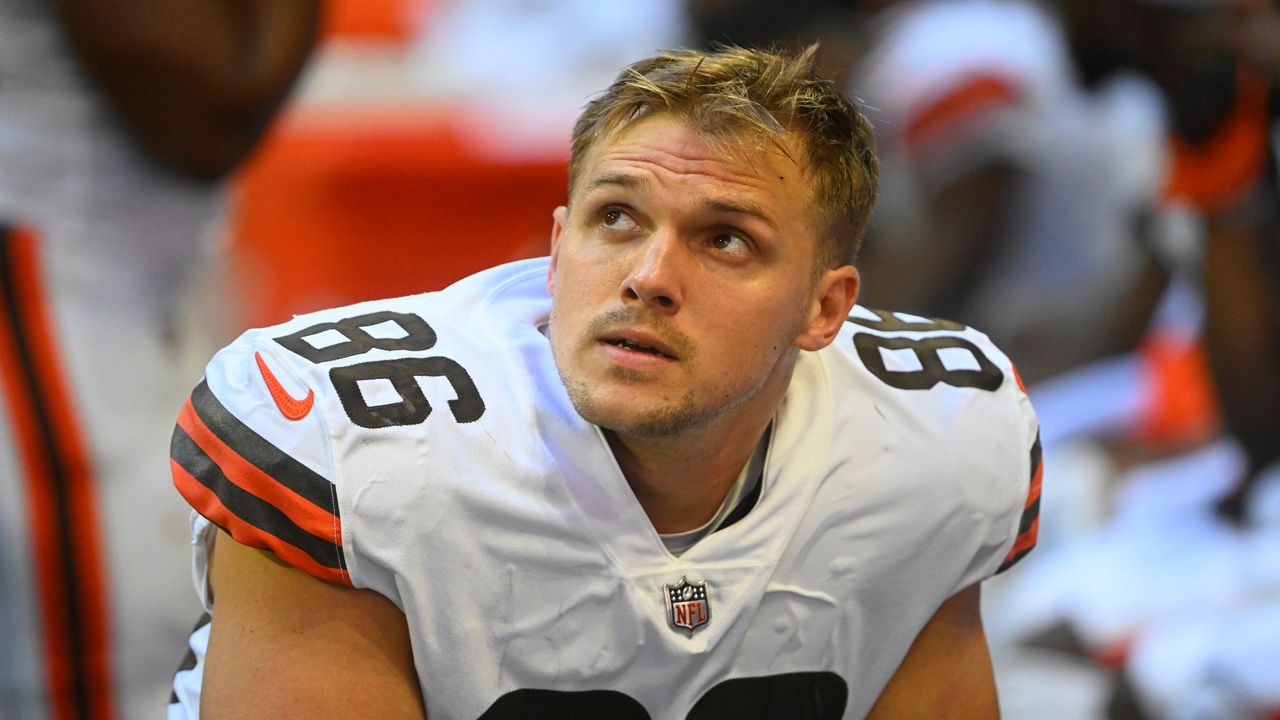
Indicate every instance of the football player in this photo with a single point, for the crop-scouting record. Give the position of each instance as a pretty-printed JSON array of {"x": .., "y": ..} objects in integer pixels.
[{"x": 669, "y": 471}]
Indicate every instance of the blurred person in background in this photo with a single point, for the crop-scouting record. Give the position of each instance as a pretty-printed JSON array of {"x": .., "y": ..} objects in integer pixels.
[
  {"x": 1009, "y": 185},
  {"x": 119, "y": 122},
  {"x": 1015, "y": 197},
  {"x": 1222, "y": 659},
  {"x": 1176, "y": 588},
  {"x": 1241, "y": 264}
]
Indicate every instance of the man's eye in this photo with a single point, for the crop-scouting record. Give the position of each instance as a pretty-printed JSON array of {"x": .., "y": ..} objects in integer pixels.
[
  {"x": 616, "y": 219},
  {"x": 730, "y": 243}
]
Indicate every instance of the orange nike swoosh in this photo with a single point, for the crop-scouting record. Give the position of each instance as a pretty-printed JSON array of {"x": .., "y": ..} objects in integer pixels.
[{"x": 291, "y": 407}]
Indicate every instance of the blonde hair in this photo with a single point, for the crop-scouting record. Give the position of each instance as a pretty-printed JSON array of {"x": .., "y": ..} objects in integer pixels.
[{"x": 731, "y": 95}]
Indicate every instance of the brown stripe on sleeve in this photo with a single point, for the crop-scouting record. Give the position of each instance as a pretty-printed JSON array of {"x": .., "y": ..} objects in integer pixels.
[
  {"x": 253, "y": 506},
  {"x": 1029, "y": 526}
]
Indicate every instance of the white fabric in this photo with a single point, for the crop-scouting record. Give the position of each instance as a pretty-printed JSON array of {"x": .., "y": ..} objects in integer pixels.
[
  {"x": 118, "y": 239},
  {"x": 187, "y": 683},
  {"x": 522, "y": 560},
  {"x": 1213, "y": 663},
  {"x": 1213, "y": 655}
]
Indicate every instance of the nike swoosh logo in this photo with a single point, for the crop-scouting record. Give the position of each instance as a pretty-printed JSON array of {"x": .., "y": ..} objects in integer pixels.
[{"x": 290, "y": 406}]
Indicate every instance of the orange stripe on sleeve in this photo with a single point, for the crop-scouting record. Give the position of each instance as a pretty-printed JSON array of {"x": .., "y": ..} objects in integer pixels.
[
  {"x": 1033, "y": 492},
  {"x": 207, "y": 503},
  {"x": 1025, "y": 541},
  {"x": 1029, "y": 521},
  {"x": 1018, "y": 377},
  {"x": 307, "y": 515}
]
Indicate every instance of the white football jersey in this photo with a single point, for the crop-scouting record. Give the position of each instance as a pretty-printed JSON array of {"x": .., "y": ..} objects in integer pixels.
[{"x": 424, "y": 447}]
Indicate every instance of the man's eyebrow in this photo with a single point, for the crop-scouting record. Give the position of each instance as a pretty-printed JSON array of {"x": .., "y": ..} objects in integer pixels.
[
  {"x": 619, "y": 179},
  {"x": 723, "y": 205},
  {"x": 742, "y": 207}
]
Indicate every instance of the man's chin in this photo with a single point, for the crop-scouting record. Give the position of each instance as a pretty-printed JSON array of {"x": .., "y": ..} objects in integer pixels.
[{"x": 630, "y": 421}]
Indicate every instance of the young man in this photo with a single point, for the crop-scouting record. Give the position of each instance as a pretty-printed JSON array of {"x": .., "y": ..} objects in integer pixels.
[{"x": 670, "y": 471}]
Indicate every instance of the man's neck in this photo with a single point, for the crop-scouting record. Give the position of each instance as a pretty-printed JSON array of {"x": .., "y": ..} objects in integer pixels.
[{"x": 681, "y": 481}]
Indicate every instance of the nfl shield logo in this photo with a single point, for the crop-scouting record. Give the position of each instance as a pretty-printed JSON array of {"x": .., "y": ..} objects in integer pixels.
[{"x": 688, "y": 607}]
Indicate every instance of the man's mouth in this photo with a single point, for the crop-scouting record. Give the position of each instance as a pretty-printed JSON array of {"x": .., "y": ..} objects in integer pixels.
[
  {"x": 645, "y": 342},
  {"x": 636, "y": 347},
  {"x": 640, "y": 341}
]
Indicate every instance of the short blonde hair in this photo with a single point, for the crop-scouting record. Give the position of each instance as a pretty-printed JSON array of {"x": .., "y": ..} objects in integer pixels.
[{"x": 732, "y": 94}]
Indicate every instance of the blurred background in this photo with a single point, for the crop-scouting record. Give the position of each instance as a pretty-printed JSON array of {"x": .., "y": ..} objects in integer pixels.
[{"x": 1091, "y": 182}]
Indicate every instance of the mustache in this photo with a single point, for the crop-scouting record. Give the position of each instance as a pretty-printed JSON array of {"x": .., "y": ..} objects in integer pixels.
[{"x": 679, "y": 342}]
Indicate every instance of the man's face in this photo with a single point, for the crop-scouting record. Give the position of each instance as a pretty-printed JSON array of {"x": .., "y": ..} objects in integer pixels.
[{"x": 682, "y": 281}]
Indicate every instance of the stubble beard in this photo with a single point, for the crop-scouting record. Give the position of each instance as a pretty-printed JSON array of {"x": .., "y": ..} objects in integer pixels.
[
  {"x": 669, "y": 419},
  {"x": 660, "y": 422}
]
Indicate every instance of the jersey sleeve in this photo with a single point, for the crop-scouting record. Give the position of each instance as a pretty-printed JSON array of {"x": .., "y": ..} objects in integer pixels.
[
  {"x": 1015, "y": 470},
  {"x": 251, "y": 455},
  {"x": 973, "y": 446},
  {"x": 1024, "y": 541}
]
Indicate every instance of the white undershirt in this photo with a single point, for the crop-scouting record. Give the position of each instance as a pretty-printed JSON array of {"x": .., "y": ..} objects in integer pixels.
[{"x": 677, "y": 543}]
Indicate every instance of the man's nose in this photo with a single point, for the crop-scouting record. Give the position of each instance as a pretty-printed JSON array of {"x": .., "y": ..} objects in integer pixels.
[{"x": 655, "y": 278}]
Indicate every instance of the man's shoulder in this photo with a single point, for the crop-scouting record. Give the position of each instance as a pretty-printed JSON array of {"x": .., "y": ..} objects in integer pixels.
[
  {"x": 939, "y": 387},
  {"x": 407, "y": 368},
  {"x": 932, "y": 411},
  {"x": 306, "y": 433}
]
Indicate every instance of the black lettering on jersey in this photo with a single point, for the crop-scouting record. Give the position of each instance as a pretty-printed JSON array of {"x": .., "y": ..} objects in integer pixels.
[
  {"x": 403, "y": 374},
  {"x": 795, "y": 696},
  {"x": 802, "y": 696},
  {"x": 558, "y": 704},
  {"x": 418, "y": 335},
  {"x": 932, "y": 371},
  {"x": 987, "y": 376}
]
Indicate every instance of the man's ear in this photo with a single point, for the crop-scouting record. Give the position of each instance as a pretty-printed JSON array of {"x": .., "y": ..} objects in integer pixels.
[
  {"x": 559, "y": 217},
  {"x": 833, "y": 297}
]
